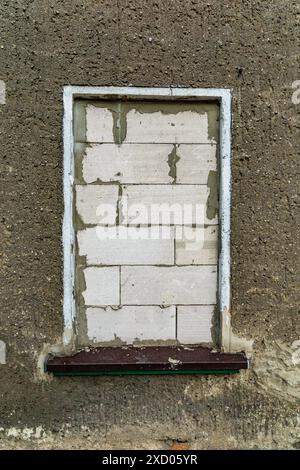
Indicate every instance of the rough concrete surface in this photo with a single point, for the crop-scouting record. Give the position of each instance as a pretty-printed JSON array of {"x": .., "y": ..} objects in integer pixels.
[{"x": 251, "y": 47}]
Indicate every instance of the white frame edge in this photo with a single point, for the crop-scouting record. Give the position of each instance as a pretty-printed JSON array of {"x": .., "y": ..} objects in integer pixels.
[{"x": 68, "y": 236}]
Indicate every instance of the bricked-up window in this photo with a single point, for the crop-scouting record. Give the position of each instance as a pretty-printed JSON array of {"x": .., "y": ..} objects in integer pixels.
[
  {"x": 146, "y": 221},
  {"x": 144, "y": 185}
]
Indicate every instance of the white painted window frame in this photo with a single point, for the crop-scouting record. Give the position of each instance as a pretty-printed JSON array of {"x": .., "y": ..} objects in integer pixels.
[{"x": 223, "y": 96}]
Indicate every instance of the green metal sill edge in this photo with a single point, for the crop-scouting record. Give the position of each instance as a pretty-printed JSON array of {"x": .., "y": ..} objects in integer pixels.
[{"x": 150, "y": 360}]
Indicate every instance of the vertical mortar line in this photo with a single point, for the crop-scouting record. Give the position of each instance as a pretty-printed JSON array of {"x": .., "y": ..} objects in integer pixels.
[
  {"x": 120, "y": 274},
  {"x": 174, "y": 234},
  {"x": 176, "y": 160},
  {"x": 176, "y": 323}
]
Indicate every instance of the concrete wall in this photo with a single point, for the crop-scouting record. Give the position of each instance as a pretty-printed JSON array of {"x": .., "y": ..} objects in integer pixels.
[{"x": 249, "y": 46}]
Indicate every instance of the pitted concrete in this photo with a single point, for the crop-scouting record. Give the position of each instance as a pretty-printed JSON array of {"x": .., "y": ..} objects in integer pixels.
[{"x": 251, "y": 47}]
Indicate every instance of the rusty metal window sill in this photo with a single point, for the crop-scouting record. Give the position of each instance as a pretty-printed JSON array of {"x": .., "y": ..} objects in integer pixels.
[{"x": 147, "y": 360}]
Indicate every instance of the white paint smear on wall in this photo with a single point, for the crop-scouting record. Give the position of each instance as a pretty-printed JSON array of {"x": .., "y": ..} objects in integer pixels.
[
  {"x": 2, "y": 92},
  {"x": 2, "y": 352}
]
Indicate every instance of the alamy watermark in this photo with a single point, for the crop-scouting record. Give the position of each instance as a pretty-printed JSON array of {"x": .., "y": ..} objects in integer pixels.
[{"x": 150, "y": 221}]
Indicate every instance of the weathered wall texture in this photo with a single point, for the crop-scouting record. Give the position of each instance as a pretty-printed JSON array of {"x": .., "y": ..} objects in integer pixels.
[{"x": 249, "y": 46}]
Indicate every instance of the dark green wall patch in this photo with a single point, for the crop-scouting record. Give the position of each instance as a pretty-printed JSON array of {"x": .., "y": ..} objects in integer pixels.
[
  {"x": 173, "y": 158},
  {"x": 212, "y": 200}
]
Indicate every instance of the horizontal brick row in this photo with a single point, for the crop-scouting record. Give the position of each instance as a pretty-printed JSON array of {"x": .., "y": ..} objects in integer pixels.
[
  {"x": 147, "y": 163},
  {"x": 148, "y": 127},
  {"x": 150, "y": 285},
  {"x": 189, "y": 285},
  {"x": 133, "y": 245},
  {"x": 143, "y": 204},
  {"x": 133, "y": 324}
]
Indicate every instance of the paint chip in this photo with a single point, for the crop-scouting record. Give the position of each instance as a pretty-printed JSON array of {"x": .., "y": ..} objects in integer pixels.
[{"x": 180, "y": 446}]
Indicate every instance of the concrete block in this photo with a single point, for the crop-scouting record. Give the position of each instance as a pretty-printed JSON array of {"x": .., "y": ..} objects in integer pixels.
[
  {"x": 197, "y": 245},
  {"x": 194, "y": 324},
  {"x": 160, "y": 285},
  {"x": 158, "y": 127},
  {"x": 194, "y": 162},
  {"x": 99, "y": 124},
  {"x": 135, "y": 163},
  {"x": 102, "y": 286},
  {"x": 131, "y": 324},
  {"x": 158, "y": 204},
  {"x": 97, "y": 204},
  {"x": 122, "y": 245}
]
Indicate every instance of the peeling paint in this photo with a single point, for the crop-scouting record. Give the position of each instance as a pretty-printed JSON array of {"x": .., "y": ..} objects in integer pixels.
[{"x": 174, "y": 362}]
